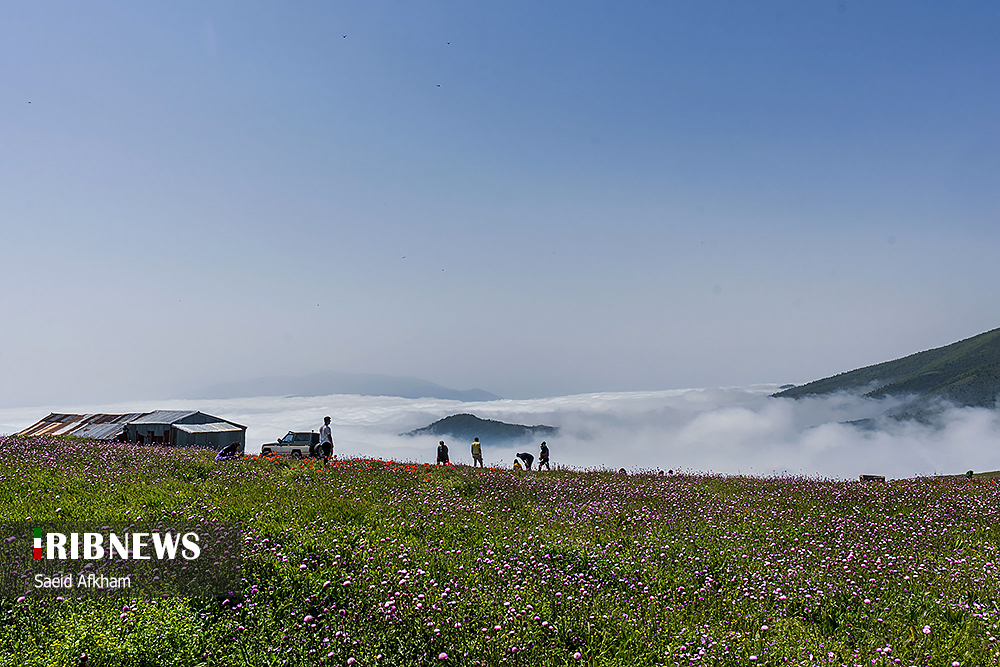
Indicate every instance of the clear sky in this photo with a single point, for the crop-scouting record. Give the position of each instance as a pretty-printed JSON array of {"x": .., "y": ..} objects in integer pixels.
[{"x": 533, "y": 198}]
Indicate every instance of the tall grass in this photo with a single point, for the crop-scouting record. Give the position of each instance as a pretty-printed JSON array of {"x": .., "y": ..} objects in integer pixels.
[{"x": 369, "y": 562}]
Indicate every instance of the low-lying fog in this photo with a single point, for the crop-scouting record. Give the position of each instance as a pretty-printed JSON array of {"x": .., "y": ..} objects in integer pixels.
[{"x": 732, "y": 430}]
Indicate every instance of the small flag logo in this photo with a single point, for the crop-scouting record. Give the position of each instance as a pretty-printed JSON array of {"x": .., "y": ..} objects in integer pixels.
[{"x": 38, "y": 543}]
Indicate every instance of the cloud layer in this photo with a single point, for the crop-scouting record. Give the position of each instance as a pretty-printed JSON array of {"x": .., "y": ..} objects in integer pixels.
[{"x": 727, "y": 430}]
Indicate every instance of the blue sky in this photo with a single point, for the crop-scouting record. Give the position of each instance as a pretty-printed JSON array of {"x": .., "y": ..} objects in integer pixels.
[{"x": 531, "y": 198}]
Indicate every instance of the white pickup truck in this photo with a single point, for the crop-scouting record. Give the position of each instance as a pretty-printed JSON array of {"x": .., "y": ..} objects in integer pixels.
[{"x": 295, "y": 445}]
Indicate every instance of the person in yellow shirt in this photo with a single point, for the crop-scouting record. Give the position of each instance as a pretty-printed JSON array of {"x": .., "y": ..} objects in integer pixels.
[{"x": 477, "y": 453}]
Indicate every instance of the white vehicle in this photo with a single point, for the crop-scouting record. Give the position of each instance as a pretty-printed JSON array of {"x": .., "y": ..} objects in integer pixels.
[{"x": 295, "y": 445}]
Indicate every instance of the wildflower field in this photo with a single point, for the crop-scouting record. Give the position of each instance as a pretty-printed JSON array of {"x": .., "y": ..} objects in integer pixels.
[{"x": 369, "y": 562}]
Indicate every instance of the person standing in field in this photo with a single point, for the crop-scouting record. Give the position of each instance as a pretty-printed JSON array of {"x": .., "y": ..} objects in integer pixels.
[
  {"x": 442, "y": 457},
  {"x": 477, "y": 453},
  {"x": 326, "y": 441},
  {"x": 543, "y": 456},
  {"x": 527, "y": 458}
]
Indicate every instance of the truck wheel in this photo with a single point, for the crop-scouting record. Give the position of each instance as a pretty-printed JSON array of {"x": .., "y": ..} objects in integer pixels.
[
  {"x": 296, "y": 454},
  {"x": 265, "y": 451}
]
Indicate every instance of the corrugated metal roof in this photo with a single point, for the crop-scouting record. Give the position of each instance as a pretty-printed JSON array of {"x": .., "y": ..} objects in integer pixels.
[
  {"x": 216, "y": 427},
  {"x": 99, "y": 431},
  {"x": 164, "y": 416},
  {"x": 54, "y": 424},
  {"x": 63, "y": 418},
  {"x": 84, "y": 426},
  {"x": 112, "y": 419}
]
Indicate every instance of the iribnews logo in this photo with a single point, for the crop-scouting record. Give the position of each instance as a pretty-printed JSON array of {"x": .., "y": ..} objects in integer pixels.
[{"x": 128, "y": 546}]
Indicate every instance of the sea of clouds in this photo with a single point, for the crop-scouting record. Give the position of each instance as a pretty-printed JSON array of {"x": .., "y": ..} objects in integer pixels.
[{"x": 728, "y": 430}]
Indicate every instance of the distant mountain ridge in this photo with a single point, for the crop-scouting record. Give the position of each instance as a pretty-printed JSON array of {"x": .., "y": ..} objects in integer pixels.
[
  {"x": 966, "y": 373},
  {"x": 489, "y": 431},
  {"x": 330, "y": 382}
]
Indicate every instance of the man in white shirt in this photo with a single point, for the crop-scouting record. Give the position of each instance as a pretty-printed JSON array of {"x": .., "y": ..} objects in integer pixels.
[{"x": 326, "y": 441}]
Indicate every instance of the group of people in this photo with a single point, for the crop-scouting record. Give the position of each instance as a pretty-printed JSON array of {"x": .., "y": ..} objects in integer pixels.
[
  {"x": 523, "y": 458},
  {"x": 325, "y": 448},
  {"x": 527, "y": 459}
]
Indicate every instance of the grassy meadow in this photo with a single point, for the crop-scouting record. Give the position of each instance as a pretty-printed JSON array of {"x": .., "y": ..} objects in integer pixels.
[{"x": 369, "y": 562}]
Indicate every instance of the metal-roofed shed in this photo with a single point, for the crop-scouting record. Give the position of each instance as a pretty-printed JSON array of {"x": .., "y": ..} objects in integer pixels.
[
  {"x": 181, "y": 428},
  {"x": 185, "y": 428},
  {"x": 214, "y": 434}
]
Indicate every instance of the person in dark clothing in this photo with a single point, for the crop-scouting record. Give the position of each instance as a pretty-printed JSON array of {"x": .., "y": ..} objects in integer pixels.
[
  {"x": 230, "y": 451},
  {"x": 527, "y": 458},
  {"x": 442, "y": 453},
  {"x": 543, "y": 456}
]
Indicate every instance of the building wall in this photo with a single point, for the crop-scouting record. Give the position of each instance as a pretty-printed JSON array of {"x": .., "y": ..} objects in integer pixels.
[
  {"x": 216, "y": 440},
  {"x": 167, "y": 434},
  {"x": 150, "y": 434}
]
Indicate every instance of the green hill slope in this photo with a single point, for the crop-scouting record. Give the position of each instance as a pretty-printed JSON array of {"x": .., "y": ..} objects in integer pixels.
[
  {"x": 489, "y": 431},
  {"x": 966, "y": 373}
]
